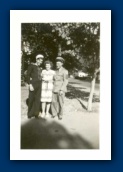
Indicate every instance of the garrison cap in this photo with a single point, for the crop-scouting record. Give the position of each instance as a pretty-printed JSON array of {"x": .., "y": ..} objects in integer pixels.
[{"x": 60, "y": 59}]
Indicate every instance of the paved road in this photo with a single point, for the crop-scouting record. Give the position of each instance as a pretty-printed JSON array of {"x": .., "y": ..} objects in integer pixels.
[
  {"x": 86, "y": 85},
  {"x": 83, "y": 83}
]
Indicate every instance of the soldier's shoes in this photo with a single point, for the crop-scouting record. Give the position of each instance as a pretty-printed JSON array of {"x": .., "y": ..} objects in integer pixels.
[
  {"x": 37, "y": 117},
  {"x": 53, "y": 116},
  {"x": 60, "y": 117},
  {"x": 29, "y": 117}
]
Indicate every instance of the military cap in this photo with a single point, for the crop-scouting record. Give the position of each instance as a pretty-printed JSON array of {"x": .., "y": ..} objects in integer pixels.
[{"x": 60, "y": 59}]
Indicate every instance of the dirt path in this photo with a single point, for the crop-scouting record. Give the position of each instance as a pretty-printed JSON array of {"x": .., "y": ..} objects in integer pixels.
[{"x": 78, "y": 129}]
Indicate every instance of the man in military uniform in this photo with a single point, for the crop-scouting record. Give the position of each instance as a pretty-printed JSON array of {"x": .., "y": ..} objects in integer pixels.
[
  {"x": 34, "y": 82},
  {"x": 60, "y": 83}
]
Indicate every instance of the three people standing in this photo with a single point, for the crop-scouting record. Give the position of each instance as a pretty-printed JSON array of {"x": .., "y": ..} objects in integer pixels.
[{"x": 48, "y": 87}]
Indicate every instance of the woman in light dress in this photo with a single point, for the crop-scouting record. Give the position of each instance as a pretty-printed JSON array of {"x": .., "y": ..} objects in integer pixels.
[{"x": 46, "y": 88}]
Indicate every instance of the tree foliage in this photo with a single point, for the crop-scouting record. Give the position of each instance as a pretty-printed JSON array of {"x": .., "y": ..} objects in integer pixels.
[{"x": 78, "y": 43}]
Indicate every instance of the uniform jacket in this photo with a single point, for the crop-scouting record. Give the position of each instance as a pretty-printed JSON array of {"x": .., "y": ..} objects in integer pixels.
[
  {"x": 33, "y": 73},
  {"x": 60, "y": 80}
]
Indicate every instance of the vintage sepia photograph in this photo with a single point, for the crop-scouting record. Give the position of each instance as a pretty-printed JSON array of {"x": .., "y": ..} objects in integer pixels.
[{"x": 60, "y": 85}]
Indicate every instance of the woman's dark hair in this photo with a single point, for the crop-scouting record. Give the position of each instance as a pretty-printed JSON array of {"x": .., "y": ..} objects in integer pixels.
[{"x": 48, "y": 62}]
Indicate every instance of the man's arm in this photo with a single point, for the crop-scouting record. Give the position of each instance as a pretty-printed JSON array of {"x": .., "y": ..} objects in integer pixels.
[
  {"x": 65, "y": 82},
  {"x": 29, "y": 70},
  {"x": 28, "y": 78}
]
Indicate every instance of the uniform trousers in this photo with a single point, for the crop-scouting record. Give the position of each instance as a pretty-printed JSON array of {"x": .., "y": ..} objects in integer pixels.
[
  {"x": 57, "y": 104},
  {"x": 34, "y": 99}
]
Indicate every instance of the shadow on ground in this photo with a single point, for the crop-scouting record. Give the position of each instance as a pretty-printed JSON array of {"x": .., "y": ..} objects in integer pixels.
[
  {"x": 76, "y": 93},
  {"x": 41, "y": 134}
]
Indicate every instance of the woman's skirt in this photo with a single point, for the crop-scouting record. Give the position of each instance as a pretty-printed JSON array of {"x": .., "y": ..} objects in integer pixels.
[{"x": 46, "y": 91}]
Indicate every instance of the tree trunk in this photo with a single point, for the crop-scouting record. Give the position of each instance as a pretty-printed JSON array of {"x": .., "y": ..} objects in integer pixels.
[
  {"x": 89, "y": 107},
  {"x": 59, "y": 50},
  {"x": 22, "y": 70}
]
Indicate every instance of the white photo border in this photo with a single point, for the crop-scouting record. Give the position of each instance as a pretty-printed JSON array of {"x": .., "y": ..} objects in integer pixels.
[{"x": 47, "y": 16}]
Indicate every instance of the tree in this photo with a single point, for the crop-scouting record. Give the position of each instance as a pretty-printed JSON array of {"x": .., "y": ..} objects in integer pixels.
[
  {"x": 51, "y": 39},
  {"x": 86, "y": 37},
  {"x": 61, "y": 33},
  {"x": 65, "y": 44}
]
